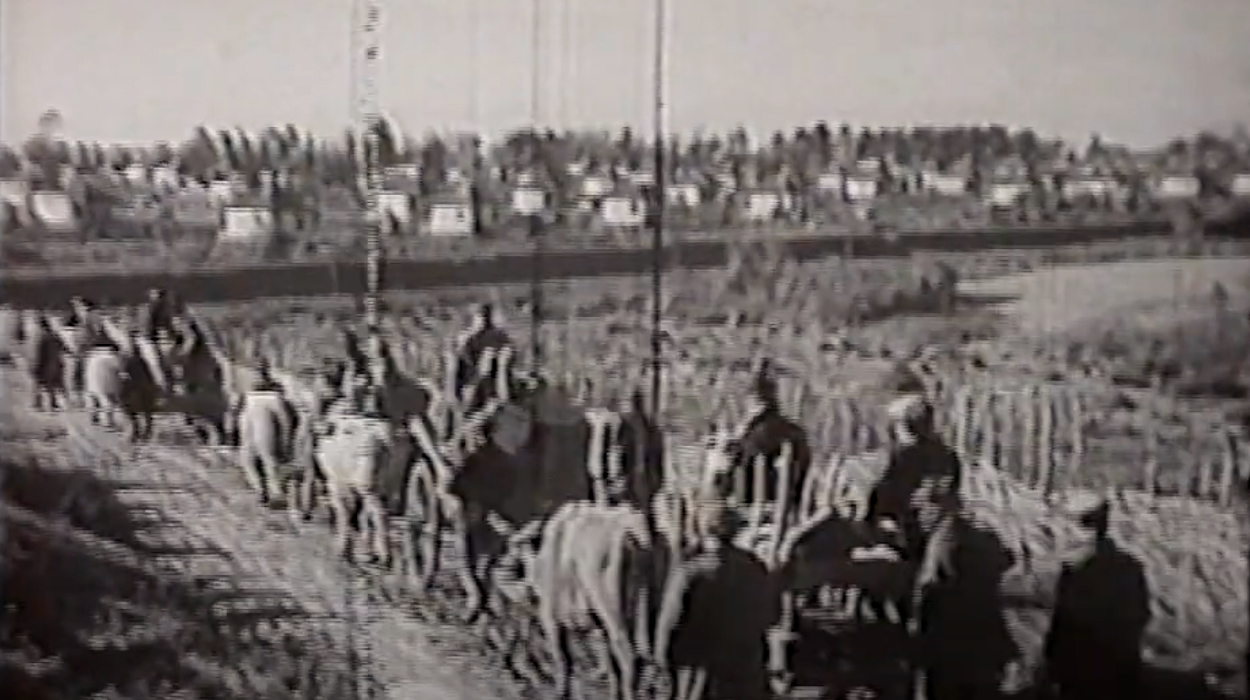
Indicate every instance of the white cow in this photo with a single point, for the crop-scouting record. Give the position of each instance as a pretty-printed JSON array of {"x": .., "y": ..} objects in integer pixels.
[
  {"x": 267, "y": 423},
  {"x": 352, "y": 461}
]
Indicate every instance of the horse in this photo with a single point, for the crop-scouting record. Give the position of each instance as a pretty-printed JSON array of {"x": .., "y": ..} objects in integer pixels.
[{"x": 121, "y": 381}]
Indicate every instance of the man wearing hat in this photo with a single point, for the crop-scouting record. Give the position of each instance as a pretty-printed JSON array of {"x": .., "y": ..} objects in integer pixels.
[
  {"x": 492, "y": 503},
  {"x": 764, "y": 436},
  {"x": 717, "y": 609},
  {"x": 921, "y": 468},
  {"x": 482, "y": 336},
  {"x": 1102, "y": 608},
  {"x": 158, "y": 315}
]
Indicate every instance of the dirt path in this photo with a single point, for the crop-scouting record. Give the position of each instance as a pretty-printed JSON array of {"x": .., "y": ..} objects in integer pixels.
[
  {"x": 201, "y": 501},
  {"x": 1059, "y": 299}
]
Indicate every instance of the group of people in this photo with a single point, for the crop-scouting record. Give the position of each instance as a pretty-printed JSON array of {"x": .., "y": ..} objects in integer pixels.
[{"x": 919, "y": 487}]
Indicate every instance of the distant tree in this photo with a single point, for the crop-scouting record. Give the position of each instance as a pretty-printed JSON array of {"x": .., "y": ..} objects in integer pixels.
[
  {"x": 231, "y": 156},
  {"x": 1027, "y": 145},
  {"x": 10, "y": 162},
  {"x": 947, "y": 286},
  {"x": 1095, "y": 148},
  {"x": 41, "y": 152}
]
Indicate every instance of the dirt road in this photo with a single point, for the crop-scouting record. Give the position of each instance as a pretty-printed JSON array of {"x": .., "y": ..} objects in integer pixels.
[{"x": 199, "y": 502}]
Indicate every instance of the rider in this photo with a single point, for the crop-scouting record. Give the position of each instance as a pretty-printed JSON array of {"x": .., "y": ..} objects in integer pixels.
[
  {"x": 158, "y": 314},
  {"x": 920, "y": 461},
  {"x": 351, "y": 346},
  {"x": 766, "y": 433},
  {"x": 642, "y": 453},
  {"x": 483, "y": 336}
]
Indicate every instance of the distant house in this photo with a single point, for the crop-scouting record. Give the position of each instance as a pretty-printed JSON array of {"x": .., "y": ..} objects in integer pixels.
[
  {"x": 395, "y": 210},
  {"x": 1240, "y": 185},
  {"x": 946, "y": 184},
  {"x": 1005, "y": 192},
  {"x": 54, "y": 211},
  {"x": 246, "y": 223},
  {"x": 763, "y": 204},
  {"x": 623, "y": 208},
  {"x": 450, "y": 214},
  {"x": 1175, "y": 186},
  {"x": 861, "y": 187},
  {"x": 684, "y": 194},
  {"x": 1089, "y": 184}
]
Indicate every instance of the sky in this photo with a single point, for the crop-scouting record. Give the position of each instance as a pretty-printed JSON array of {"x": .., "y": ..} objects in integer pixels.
[{"x": 132, "y": 71}]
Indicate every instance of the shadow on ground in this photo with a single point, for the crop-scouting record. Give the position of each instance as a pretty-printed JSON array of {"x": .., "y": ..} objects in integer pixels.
[{"x": 82, "y": 618}]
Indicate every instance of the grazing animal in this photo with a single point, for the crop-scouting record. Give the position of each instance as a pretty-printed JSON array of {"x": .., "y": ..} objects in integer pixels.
[
  {"x": 353, "y": 461},
  {"x": 117, "y": 381},
  {"x": 267, "y": 424},
  {"x": 590, "y": 567}
]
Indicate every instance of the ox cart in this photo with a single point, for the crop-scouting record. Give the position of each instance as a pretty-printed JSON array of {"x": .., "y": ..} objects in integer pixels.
[
  {"x": 565, "y": 453},
  {"x": 845, "y": 583}
]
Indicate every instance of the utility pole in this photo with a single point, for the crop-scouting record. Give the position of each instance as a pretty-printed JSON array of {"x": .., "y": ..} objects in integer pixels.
[
  {"x": 368, "y": 115},
  {"x": 660, "y": 118}
]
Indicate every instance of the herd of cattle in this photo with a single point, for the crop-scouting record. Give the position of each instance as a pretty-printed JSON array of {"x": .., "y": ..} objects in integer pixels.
[{"x": 699, "y": 559}]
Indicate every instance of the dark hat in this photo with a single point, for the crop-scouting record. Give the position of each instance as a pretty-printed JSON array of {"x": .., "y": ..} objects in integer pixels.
[
  {"x": 765, "y": 389},
  {"x": 1098, "y": 518}
]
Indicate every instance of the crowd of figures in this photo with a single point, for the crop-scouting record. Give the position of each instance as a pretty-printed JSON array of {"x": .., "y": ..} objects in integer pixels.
[{"x": 570, "y": 517}]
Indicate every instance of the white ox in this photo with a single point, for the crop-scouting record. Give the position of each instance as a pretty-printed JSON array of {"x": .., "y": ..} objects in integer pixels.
[{"x": 592, "y": 566}]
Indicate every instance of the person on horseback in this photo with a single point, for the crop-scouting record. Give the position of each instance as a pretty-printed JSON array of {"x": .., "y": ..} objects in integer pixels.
[
  {"x": 158, "y": 315},
  {"x": 483, "y": 336},
  {"x": 764, "y": 436},
  {"x": 921, "y": 480},
  {"x": 351, "y": 346},
  {"x": 642, "y": 453}
]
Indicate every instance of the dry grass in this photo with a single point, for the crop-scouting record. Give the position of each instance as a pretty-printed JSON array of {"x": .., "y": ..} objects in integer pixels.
[{"x": 1193, "y": 554}]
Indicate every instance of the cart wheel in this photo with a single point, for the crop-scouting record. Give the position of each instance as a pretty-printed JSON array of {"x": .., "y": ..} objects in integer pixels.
[{"x": 427, "y": 525}]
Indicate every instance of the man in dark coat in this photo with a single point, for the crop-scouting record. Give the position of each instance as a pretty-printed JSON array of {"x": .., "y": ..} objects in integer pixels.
[
  {"x": 158, "y": 315},
  {"x": 921, "y": 466},
  {"x": 496, "y": 499},
  {"x": 1093, "y": 648},
  {"x": 716, "y": 612},
  {"x": 764, "y": 436},
  {"x": 484, "y": 336},
  {"x": 642, "y": 453}
]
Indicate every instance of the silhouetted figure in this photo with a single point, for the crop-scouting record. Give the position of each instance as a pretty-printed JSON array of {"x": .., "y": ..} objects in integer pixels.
[
  {"x": 920, "y": 461},
  {"x": 485, "y": 335},
  {"x": 1102, "y": 609},
  {"x": 716, "y": 612},
  {"x": 964, "y": 641},
  {"x": 764, "y": 436},
  {"x": 642, "y": 453}
]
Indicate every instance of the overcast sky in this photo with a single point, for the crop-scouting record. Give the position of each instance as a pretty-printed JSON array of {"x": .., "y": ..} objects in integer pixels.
[{"x": 1138, "y": 71}]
